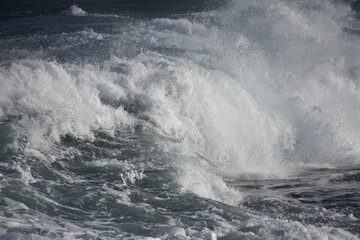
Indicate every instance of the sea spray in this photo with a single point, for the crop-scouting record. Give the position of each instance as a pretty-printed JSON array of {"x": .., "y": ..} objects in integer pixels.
[{"x": 175, "y": 126}]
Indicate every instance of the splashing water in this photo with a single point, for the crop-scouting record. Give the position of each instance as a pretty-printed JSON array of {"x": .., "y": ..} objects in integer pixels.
[{"x": 239, "y": 122}]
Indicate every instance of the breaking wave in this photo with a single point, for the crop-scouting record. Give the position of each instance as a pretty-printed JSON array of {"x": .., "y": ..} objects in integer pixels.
[{"x": 255, "y": 90}]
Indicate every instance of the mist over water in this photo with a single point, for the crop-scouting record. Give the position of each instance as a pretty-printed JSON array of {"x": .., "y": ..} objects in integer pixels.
[{"x": 236, "y": 120}]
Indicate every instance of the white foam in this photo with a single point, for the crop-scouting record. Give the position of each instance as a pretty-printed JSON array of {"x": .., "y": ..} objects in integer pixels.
[
  {"x": 305, "y": 54},
  {"x": 54, "y": 100},
  {"x": 76, "y": 11},
  {"x": 264, "y": 89},
  {"x": 258, "y": 94}
]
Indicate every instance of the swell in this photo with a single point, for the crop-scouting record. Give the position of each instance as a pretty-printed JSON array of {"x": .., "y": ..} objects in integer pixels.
[{"x": 139, "y": 8}]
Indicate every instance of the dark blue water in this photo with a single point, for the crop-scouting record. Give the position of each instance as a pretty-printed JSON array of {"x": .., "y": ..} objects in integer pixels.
[{"x": 179, "y": 119}]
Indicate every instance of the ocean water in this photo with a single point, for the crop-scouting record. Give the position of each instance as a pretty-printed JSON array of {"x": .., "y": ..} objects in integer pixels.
[{"x": 133, "y": 119}]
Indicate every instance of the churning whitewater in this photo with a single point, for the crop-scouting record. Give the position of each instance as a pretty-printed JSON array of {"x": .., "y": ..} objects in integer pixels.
[{"x": 180, "y": 120}]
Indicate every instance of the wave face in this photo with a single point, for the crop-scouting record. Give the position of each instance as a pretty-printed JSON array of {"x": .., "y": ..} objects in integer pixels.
[{"x": 232, "y": 120}]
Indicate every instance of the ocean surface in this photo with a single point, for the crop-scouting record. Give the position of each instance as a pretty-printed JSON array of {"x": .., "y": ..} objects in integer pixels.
[{"x": 192, "y": 119}]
